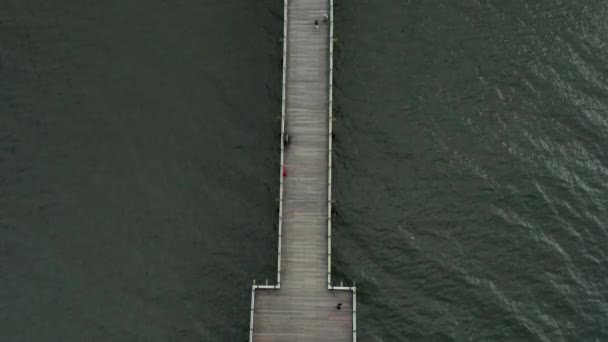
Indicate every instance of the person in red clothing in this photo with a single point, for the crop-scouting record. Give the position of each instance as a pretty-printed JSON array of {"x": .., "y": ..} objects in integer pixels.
[{"x": 284, "y": 172}]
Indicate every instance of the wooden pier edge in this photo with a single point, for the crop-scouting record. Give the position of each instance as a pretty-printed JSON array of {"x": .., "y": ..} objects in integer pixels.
[{"x": 277, "y": 286}]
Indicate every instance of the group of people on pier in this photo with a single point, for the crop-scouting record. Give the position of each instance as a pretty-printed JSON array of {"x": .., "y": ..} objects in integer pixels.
[{"x": 325, "y": 18}]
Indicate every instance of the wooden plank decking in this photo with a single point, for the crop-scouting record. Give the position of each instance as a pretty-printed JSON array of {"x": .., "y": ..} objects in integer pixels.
[{"x": 302, "y": 305}]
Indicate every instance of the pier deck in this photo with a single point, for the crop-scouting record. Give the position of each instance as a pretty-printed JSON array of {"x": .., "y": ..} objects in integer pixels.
[{"x": 302, "y": 305}]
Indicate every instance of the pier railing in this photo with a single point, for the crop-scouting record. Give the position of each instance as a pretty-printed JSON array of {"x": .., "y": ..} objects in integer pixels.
[
  {"x": 283, "y": 106},
  {"x": 330, "y": 132}
]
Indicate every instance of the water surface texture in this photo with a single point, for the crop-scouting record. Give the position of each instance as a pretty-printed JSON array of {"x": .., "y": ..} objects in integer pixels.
[
  {"x": 472, "y": 168},
  {"x": 139, "y": 168}
]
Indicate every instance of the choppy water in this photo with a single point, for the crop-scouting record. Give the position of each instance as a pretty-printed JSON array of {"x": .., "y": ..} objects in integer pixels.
[
  {"x": 472, "y": 170},
  {"x": 138, "y": 168}
]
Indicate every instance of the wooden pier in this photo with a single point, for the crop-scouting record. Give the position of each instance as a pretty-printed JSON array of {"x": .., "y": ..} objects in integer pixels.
[{"x": 302, "y": 305}]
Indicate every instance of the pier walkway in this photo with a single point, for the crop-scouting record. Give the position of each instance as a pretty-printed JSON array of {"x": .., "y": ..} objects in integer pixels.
[{"x": 301, "y": 306}]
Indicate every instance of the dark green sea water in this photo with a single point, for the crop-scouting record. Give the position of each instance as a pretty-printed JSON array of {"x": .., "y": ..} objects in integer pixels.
[{"x": 139, "y": 168}]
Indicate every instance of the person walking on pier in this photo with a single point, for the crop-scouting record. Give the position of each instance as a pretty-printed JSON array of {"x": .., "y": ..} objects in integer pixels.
[
  {"x": 325, "y": 17},
  {"x": 339, "y": 306},
  {"x": 286, "y": 139},
  {"x": 317, "y": 24}
]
